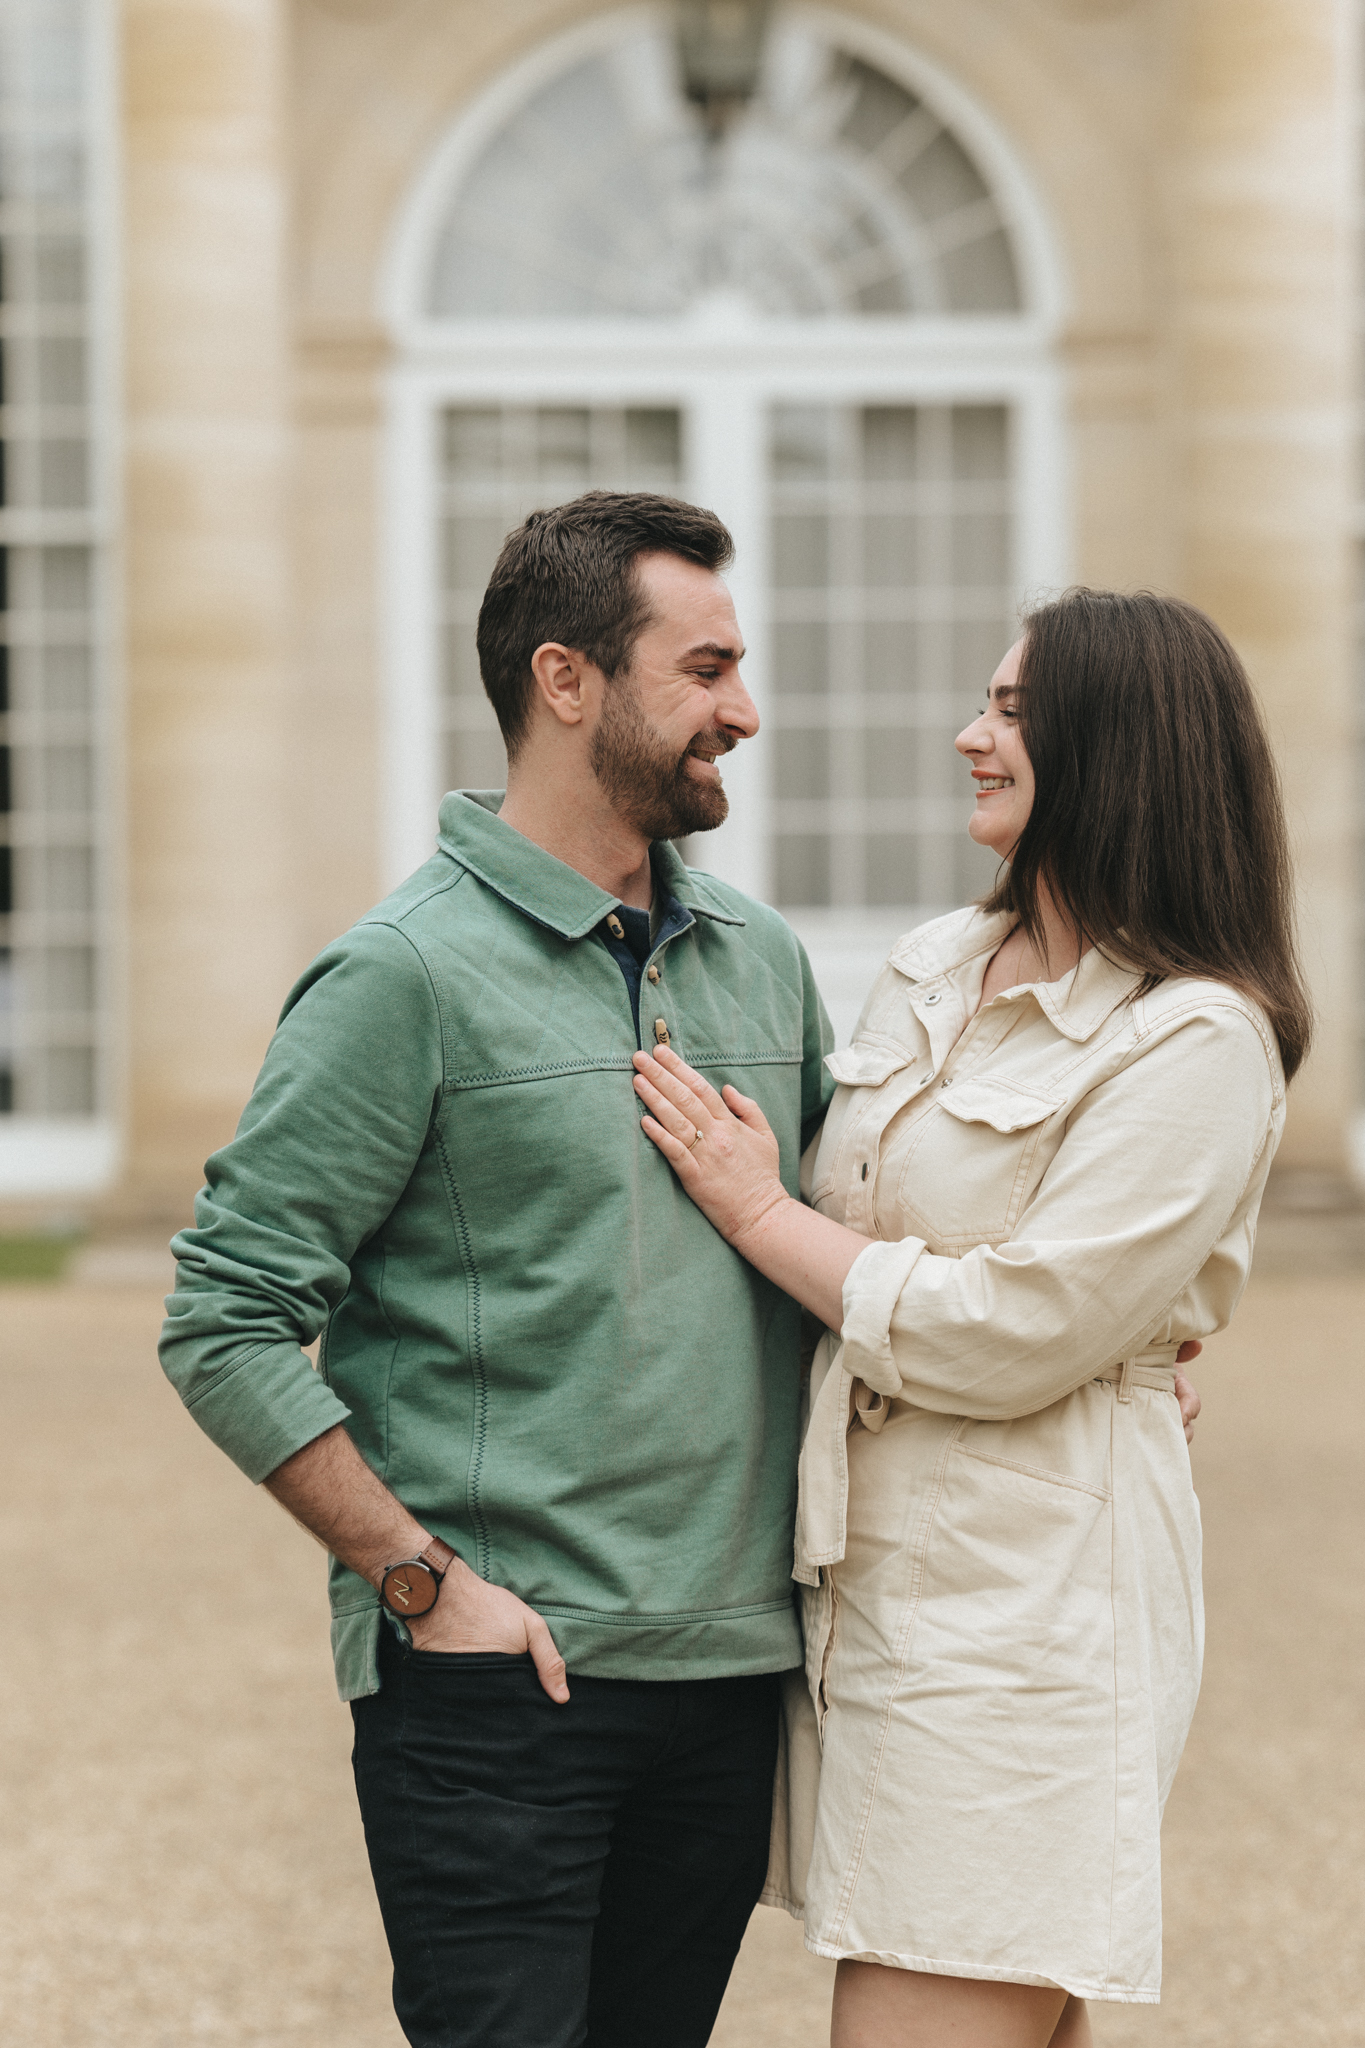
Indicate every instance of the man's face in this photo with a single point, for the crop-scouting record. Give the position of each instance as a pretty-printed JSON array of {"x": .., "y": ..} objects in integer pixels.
[{"x": 663, "y": 725}]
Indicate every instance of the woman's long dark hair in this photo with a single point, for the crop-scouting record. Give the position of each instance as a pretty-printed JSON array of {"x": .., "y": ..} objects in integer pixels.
[{"x": 1157, "y": 824}]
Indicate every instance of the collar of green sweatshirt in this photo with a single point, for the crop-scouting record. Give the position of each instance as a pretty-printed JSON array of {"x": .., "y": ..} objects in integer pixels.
[{"x": 531, "y": 1333}]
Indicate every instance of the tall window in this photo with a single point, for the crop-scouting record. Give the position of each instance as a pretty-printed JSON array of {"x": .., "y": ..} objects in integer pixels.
[
  {"x": 54, "y": 1053},
  {"x": 833, "y": 323}
]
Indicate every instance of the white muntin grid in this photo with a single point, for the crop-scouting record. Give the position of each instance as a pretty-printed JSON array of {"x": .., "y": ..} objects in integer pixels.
[
  {"x": 904, "y": 307},
  {"x": 55, "y": 248}
]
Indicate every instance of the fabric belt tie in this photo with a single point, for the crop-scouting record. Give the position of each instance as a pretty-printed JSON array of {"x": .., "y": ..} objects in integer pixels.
[{"x": 1154, "y": 1368}]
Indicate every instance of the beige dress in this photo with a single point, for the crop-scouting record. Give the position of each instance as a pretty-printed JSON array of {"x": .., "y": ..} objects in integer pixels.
[{"x": 997, "y": 1535}]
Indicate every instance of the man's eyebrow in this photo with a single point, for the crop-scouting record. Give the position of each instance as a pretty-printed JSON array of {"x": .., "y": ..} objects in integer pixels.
[{"x": 712, "y": 650}]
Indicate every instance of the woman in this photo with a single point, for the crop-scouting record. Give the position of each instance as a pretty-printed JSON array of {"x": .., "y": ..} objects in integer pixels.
[{"x": 1039, "y": 1176}]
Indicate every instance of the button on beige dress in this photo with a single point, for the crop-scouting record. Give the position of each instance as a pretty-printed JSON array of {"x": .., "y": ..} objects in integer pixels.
[{"x": 997, "y": 1535}]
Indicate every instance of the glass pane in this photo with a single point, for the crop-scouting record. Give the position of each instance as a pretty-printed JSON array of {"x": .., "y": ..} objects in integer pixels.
[
  {"x": 64, "y": 578},
  {"x": 801, "y": 659},
  {"x": 981, "y": 276},
  {"x": 802, "y": 868},
  {"x": 476, "y": 760},
  {"x": 980, "y": 547},
  {"x": 62, "y": 474},
  {"x": 942, "y": 180},
  {"x": 65, "y": 1081},
  {"x": 890, "y": 757},
  {"x": 803, "y": 764},
  {"x": 462, "y": 662},
  {"x": 653, "y": 446},
  {"x": 801, "y": 551},
  {"x": 66, "y": 678},
  {"x": 61, "y": 370},
  {"x": 889, "y": 656},
  {"x": 891, "y": 550},
  {"x": 562, "y": 438},
  {"x": 473, "y": 438},
  {"x": 890, "y": 443},
  {"x": 980, "y": 443},
  {"x": 892, "y": 876},
  {"x": 70, "y": 979},
  {"x": 472, "y": 542},
  {"x": 800, "y": 443},
  {"x": 59, "y": 273},
  {"x": 67, "y": 878},
  {"x": 69, "y": 778}
]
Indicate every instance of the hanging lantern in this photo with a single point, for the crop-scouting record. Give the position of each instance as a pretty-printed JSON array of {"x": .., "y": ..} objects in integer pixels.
[{"x": 720, "y": 44}]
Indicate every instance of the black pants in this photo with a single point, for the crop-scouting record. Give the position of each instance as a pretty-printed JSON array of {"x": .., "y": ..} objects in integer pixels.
[{"x": 550, "y": 1875}]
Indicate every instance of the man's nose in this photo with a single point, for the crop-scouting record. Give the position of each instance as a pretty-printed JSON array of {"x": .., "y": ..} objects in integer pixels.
[{"x": 735, "y": 708}]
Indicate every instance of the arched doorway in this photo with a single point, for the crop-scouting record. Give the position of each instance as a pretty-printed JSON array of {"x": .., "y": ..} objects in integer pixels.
[{"x": 835, "y": 325}]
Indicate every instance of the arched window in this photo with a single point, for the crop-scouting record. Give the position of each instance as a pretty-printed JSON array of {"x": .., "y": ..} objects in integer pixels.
[{"x": 833, "y": 323}]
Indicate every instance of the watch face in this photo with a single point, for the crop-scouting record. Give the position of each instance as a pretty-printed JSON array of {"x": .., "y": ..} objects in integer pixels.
[{"x": 409, "y": 1589}]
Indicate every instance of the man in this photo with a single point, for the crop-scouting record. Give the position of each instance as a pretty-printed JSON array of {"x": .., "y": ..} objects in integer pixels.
[{"x": 554, "y": 1427}]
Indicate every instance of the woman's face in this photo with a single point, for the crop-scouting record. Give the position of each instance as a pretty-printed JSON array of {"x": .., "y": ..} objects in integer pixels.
[{"x": 994, "y": 746}]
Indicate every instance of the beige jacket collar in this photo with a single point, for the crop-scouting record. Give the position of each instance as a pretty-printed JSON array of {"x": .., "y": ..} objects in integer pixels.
[{"x": 1077, "y": 1003}]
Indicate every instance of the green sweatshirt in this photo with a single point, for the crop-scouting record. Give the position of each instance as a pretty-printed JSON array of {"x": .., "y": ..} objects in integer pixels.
[{"x": 532, "y": 1335}]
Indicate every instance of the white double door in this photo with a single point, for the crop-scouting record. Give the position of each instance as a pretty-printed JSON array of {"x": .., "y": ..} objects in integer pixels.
[{"x": 891, "y": 499}]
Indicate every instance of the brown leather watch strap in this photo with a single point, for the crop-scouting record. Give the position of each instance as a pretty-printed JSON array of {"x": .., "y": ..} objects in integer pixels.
[{"x": 438, "y": 1555}]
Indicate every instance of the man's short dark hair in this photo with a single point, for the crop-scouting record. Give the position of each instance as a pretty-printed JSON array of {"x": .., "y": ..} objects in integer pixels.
[{"x": 569, "y": 575}]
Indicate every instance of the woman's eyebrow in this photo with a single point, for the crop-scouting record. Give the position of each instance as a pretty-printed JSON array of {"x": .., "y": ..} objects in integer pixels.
[{"x": 1002, "y": 690}]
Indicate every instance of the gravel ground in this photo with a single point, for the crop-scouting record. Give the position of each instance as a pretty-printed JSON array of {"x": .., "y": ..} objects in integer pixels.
[{"x": 180, "y": 1859}]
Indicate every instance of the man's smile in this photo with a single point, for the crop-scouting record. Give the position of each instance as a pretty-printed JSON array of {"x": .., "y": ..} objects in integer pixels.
[{"x": 705, "y": 753}]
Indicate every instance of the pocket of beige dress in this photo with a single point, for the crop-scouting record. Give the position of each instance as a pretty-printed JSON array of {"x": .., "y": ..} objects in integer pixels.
[
  {"x": 1018, "y": 1574},
  {"x": 1030, "y": 1471},
  {"x": 968, "y": 1165}
]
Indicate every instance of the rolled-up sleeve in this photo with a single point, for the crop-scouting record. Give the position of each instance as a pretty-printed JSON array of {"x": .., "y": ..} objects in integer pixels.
[
  {"x": 335, "y": 1125},
  {"x": 1149, "y": 1177}
]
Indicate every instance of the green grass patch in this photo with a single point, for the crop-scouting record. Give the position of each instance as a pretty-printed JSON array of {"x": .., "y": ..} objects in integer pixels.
[{"x": 35, "y": 1258}]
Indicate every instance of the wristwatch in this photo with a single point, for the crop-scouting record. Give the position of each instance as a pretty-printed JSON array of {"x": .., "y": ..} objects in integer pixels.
[{"x": 410, "y": 1587}]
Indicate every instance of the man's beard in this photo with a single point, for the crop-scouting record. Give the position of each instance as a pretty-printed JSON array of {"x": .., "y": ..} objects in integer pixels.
[{"x": 648, "y": 782}]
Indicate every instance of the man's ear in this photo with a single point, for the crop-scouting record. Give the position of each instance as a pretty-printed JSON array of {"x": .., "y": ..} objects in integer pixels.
[{"x": 566, "y": 681}]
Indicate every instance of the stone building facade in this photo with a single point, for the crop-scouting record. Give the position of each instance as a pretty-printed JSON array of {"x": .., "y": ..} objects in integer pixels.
[{"x": 940, "y": 306}]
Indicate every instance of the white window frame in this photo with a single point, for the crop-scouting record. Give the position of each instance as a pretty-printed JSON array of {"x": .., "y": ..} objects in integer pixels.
[{"x": 724, "y": 373}]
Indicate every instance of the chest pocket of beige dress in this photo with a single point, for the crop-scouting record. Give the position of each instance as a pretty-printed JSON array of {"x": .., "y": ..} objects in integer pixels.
[
  {"x": 868, "y": 1063},
  {"x": 967, "y": 1163}
]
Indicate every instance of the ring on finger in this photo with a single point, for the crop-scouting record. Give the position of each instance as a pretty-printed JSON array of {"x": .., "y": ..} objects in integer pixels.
[{"x": 697, "y": 1139}]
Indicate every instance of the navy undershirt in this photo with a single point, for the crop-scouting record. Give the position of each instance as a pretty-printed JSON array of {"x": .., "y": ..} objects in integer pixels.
[{"x": 632, "y": 952}]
